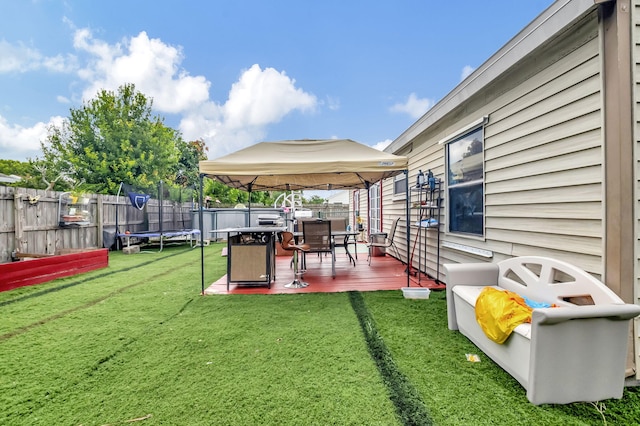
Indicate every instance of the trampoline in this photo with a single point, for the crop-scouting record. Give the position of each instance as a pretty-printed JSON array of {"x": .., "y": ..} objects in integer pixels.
[
  {"x": 182, "y": 235},
  {"x": 155, "y": 221}
]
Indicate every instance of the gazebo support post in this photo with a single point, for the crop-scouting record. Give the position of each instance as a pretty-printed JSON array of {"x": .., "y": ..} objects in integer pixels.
[
  {"x": 248, "y": 219},
  {"x": 408, "y": 219},
  {"x": 201, "y": 222}
]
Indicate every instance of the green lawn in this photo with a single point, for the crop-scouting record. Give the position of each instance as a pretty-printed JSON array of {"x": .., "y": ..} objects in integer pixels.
[{"x": 136, "y": 343}]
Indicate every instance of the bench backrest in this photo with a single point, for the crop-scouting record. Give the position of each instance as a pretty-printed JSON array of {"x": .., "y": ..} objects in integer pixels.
[{"x": 544, "y": 279}]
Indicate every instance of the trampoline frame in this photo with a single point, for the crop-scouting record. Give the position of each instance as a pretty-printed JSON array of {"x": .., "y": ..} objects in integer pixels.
[{"x": 160, "y": 235}]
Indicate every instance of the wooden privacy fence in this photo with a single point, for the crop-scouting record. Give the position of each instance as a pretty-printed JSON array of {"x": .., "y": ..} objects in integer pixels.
[{"x": 39, "y": 222}]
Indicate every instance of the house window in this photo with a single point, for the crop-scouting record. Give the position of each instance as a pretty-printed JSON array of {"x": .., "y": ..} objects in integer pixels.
[
  {"x": 374, "y": 208},
  {"x": 400, "y": 186},
  {"x": 465, "y": 183}
]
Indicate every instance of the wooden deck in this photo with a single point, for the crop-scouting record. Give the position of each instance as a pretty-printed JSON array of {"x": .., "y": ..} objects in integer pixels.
[{"x": 385, "y": 273}]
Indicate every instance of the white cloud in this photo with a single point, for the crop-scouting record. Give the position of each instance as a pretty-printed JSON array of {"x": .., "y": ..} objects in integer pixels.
[
  {"x": 23, "y": 142},
  {"x": 259, "y": 98},
  {"x": 414, "y": 106},
  {"x": 466, "y": 72},
  {"x": 150, "y": 64},
  {"x": 17, "y": 58},
  {"x": 20, "y": 58},
  {"x": 333, "y": 103},
  {"x": 380, "y": 146},
  {"x": 262, "y": 97}
]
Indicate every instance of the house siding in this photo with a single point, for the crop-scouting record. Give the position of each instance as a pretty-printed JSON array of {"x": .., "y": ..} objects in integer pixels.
[
  {"x": 552, "y": 185},
  {"x": 543, "y": 158},
  {"x": 635, "y": 54}
]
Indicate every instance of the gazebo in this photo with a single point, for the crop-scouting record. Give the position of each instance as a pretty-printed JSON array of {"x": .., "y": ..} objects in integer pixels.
[{"x": 307, "y": 164}]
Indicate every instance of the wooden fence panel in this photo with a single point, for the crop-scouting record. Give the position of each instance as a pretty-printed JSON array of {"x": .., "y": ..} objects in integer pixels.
[
  {"x": 30, "y": 221},
  {"x": 6, "y": 223},
  {"x": 30, "y": 224}
]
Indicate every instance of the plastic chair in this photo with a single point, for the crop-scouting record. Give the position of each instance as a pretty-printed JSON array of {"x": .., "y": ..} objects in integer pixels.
[
  {"x": 387, "y": 243},
  {"x": 288, "y": 243}
]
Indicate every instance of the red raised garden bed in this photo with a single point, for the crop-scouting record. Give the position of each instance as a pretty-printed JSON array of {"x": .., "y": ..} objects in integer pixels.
[{"x": 37, "y": 271}]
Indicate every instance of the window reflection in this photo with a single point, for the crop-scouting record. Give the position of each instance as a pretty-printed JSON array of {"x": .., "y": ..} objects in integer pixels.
[{"x": 465, "y": 158}]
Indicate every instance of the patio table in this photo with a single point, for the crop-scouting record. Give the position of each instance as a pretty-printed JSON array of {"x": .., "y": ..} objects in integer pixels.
[{"x": 346, "y": 235}]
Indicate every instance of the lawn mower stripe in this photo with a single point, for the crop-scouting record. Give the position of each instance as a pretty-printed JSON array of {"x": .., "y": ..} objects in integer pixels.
[
  {"x": 410, "y": 408},
  {"x": 62, "y": 314}
]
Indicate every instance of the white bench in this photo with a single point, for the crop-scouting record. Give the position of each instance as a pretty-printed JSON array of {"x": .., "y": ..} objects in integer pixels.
[{"x": 574, "y": 352}]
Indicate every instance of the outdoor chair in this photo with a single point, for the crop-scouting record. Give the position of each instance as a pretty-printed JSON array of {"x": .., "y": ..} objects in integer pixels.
[
  {"x": 288, "y": 243},
  {"x": 339, "y": 224},
  {"x": 386, "y": 243},
  {"x": 317, "y": 236}
]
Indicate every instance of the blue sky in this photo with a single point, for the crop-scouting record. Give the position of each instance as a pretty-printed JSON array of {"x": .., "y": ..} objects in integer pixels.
[{"x": 237, "y": 72}]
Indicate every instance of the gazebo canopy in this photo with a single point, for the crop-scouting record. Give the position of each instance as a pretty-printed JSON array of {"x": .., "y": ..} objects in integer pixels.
[{"x": 304, "y": 164}]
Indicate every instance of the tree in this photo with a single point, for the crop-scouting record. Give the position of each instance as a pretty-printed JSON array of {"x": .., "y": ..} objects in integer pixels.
[
  {"x": 223, "y": 195},
  {"x": 316, "y": 199},
  {"x": 475, "y": 147},
  {"x": 112, "y": 138},
  {"x": 187, "y": 168},
  {"x": 30, "y": 177},
  {"x": 15, "y": 167}
]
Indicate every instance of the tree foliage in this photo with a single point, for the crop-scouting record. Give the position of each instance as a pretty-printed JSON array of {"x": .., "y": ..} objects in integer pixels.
[
  {"x": 475, "y": 147},
  {"x": 116, "y": 138},
  {"x": 30, "y": 177},
  {"x": 187, "y": 167},
  {"x": 14, "y": 167},
  {"x": 316, "y": 199},
  {"x": 222, "y": 195}
]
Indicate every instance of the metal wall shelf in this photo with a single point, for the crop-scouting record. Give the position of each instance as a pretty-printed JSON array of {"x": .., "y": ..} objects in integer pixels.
[{"x": 427, "y": 208}]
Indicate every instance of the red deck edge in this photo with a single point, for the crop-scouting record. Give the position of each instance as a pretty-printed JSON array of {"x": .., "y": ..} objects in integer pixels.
[{"x": 38, "y": 271}]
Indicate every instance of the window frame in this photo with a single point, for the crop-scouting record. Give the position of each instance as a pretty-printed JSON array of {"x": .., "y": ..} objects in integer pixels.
[
  {"x": 451, "y": 188},
  {"x": 400, "y": 187},
  {"x": 375, "y": 207}
]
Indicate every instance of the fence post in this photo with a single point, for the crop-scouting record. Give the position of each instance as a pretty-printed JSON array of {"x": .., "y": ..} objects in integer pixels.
[
  {"x": 18, "y": 220},
  {"x": 99, "y": 220}
]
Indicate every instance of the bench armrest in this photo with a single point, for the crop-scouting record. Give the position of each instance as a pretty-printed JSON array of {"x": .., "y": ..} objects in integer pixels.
[
  {"x": 472, "y": 274},
  {"x": 582, "y": 345},
  {"x": 613, "y": 312}
]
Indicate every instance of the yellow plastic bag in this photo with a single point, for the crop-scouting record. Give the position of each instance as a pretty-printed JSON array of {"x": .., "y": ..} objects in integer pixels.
[{"x": 498, "y": 312}]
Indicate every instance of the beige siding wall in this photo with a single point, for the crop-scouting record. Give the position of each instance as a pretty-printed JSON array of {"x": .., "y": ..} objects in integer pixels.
[
  {"x": 424, "y": 253},
  {"x": 543, "y": 158},
  {"x": 390, "y": 211},
  {"x": 635, "y": 28},
  {"x": 543, "y": 163}
]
